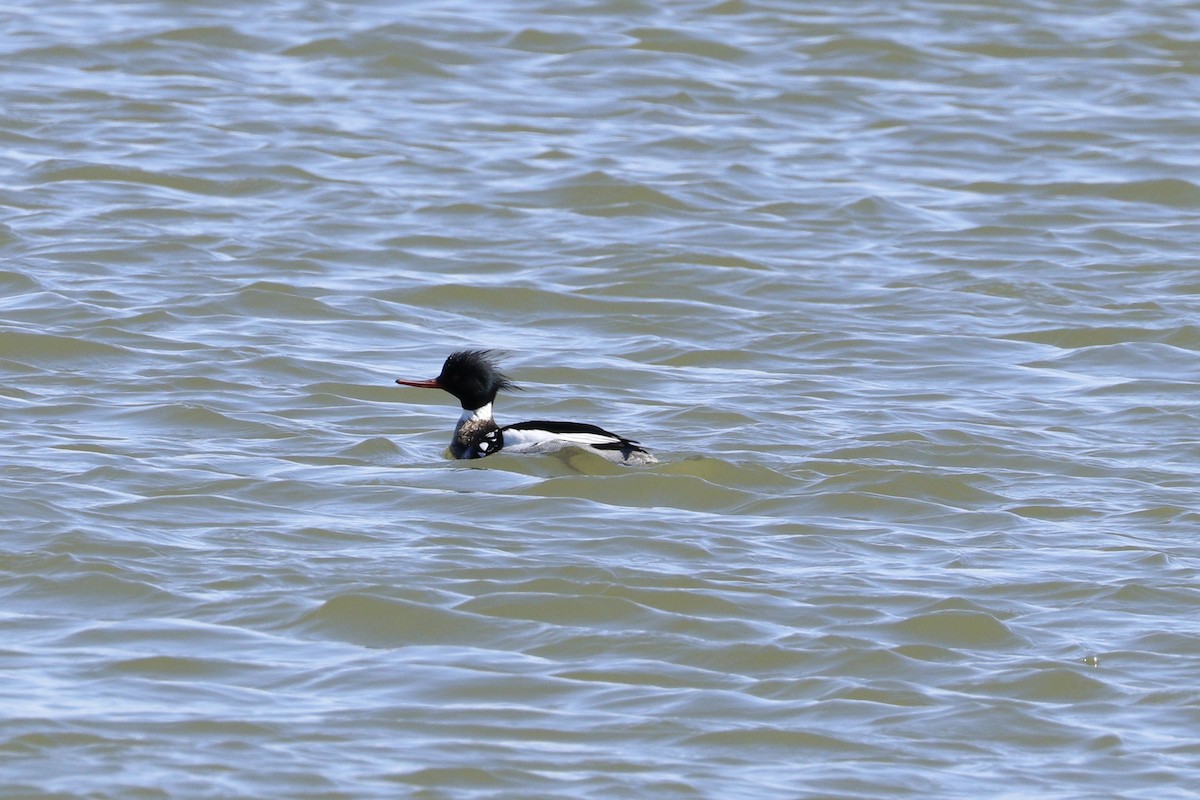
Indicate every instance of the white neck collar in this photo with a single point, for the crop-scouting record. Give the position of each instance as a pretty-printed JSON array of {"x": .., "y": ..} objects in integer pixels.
[{"x": 484, "y": 412}]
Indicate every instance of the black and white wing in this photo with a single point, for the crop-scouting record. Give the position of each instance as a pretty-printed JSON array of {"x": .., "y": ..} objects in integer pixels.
[{"x": 547, "y": 436}]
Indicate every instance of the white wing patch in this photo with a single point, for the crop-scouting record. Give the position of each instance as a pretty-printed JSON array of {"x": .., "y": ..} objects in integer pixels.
[{"x": 533, "y": 440}]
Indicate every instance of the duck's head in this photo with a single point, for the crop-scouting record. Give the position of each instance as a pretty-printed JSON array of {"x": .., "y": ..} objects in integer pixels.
[{"x": 472, "y": 376}]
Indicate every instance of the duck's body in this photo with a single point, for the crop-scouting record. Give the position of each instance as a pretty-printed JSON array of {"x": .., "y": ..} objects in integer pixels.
[{"x": 473, "y": 377}]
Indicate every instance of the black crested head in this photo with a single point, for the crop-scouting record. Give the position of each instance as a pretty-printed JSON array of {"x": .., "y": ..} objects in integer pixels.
[{"x": 473, "y": 377}]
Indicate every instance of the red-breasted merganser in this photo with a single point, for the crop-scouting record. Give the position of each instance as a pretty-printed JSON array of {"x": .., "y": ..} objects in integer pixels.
[{"x": 473, "y": 377}]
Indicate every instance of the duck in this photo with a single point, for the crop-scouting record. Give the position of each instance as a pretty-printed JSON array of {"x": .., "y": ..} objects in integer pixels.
[{"x": 474, "y": 378}]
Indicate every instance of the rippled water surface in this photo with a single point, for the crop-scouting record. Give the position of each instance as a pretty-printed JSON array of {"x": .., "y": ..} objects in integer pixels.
[{"x": 903, "y": 295}]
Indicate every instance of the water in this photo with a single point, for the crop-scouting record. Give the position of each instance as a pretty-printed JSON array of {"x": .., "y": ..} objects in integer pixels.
[{"x": 904, "y": 297}]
